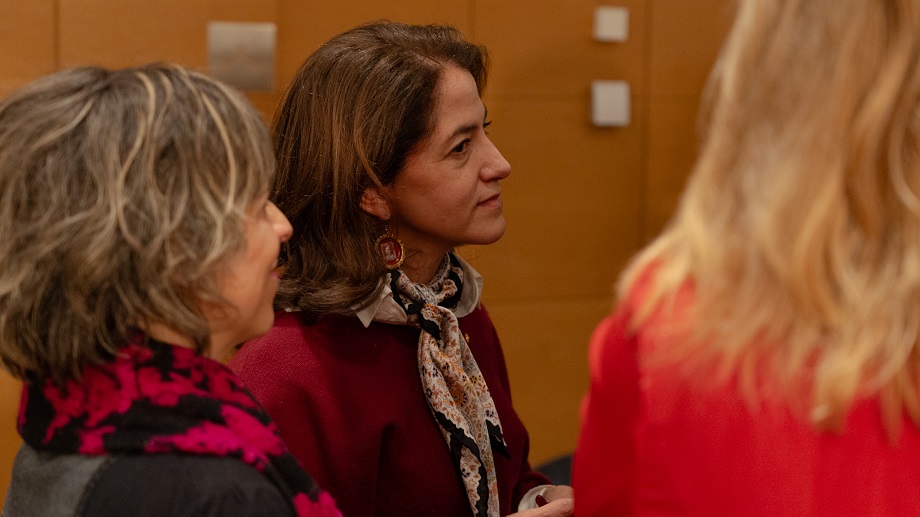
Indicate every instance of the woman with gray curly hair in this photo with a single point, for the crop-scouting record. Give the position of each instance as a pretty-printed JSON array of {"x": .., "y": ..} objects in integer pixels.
[{"x": 139, "y": 244}]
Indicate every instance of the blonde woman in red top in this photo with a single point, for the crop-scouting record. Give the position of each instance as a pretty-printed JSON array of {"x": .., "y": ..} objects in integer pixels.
[{"x": 765, "y": 356}]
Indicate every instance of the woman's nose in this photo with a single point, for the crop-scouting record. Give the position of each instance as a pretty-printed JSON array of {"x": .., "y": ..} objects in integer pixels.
[
  {"x": 282, "y": 226},
  {"x": 496, "y": 166}
]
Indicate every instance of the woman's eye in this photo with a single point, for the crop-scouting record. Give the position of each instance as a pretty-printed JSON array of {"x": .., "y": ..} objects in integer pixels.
[{"x": 459, "y": 148}]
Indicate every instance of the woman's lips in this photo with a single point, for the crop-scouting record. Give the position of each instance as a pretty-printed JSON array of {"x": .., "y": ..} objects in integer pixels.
[{"x": 495, "y": 200}]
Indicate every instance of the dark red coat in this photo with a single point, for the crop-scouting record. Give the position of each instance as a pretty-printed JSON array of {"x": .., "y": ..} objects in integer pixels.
[{"x": 348, "y": 402}]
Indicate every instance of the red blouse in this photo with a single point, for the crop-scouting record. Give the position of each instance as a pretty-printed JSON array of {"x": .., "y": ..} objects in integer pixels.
[{"x": 652, "y": 444}]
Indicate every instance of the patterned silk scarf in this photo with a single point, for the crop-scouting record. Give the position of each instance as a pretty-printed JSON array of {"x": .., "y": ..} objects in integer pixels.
[
  {"x": 457, "y": 393},
  {"x": 155, "y": 399}
]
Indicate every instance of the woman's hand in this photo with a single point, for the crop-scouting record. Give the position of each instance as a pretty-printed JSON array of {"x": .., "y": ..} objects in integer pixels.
[
  {"x": 558, "y": 503},
  {"x": 557, "y": 508},
  {"x": 556, "y": 492}
]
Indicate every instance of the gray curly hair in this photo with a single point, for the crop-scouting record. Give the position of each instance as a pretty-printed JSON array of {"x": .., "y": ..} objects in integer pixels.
[{"x": 122, "y": 193}]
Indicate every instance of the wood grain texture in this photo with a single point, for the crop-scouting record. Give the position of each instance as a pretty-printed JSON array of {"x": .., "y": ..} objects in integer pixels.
[{"x": 27, "y": 42}]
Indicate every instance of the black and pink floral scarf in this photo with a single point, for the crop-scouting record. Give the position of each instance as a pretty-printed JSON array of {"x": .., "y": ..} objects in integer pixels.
[{"x": 155, "y": 398}]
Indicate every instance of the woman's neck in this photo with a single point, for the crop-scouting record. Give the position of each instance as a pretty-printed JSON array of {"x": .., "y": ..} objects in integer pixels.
[
  {"x": 166, "y": 334},
  {"x": 421, "y": 267},
  {"x": 221, "y": 348}
]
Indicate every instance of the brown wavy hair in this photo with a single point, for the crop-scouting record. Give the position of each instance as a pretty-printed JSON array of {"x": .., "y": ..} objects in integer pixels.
[
  {"x": 356, "y": 109},
  {"x": 121, "y": 195}
]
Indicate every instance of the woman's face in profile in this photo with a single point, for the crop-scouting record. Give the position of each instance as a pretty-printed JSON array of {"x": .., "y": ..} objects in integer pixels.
[
  {"x": 448, "y": 192},
  {"x": 249, "y": 281}
]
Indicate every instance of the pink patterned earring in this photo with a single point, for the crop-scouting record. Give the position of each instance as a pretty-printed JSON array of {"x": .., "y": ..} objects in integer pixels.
[{"x": 390, "y": 249}]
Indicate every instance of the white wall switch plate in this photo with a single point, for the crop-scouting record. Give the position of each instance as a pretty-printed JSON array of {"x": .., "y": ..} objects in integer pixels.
[
  {"x": 611, "y": 23},
  {"x": 610, "y": 103},
  {"x": 242, "y": 54}
]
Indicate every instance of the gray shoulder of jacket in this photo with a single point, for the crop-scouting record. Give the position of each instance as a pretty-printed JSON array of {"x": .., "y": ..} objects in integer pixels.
[
  {"x": 49, "y": 484},
  {"x": 137, "y": 486}
]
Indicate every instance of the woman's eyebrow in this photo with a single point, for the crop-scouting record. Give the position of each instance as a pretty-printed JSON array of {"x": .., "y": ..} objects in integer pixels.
[
  {"x": 469, "y": 128},
  {"x": 466, "y": 128}
]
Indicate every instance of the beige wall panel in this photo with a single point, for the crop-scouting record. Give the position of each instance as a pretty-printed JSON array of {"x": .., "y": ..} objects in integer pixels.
[
  {"x": 305, "y": 25},
  {"x": 685, "y": 40},
  {"x": 545, "y": 48},
  {"x": 673, "y": 148},
  {"x": 545, "y": 348},
  {"x": 133, "y": 32},
  {"x": 572, "y": 202},
  {"x": 9, "y": 439},
  {"x": 26, "y": 42}
]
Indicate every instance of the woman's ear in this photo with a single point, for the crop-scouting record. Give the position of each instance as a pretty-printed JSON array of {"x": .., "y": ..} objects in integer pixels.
[{"x": 375, "y": 203}]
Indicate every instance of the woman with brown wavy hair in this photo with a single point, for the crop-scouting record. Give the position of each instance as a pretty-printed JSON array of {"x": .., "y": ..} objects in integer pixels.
[
  {"x": 383, "y": 370},
  {"x": 138, "y": 244},
  {"x": 765, "y": 356}
]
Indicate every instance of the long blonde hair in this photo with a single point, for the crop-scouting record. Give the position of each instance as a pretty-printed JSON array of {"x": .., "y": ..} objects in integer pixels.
[{"x": 800, "y": 226}]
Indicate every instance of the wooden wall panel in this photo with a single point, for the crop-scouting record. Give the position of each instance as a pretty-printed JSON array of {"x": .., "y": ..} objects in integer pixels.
[
  {"x": 673, "y": 145},
  {"x": 242, "y": 10},
  {"x": 27, "y": 42},
  {"x": 571, "y": 202},
  {"x": 545, "y": 49},
  {"x": 133, "y": 32},
  {"x": 304, "y": 26},
  {"x": 685, "y": 39},
  {"x": 545, "y": 346},
  {"x": 10, "y": 441}
]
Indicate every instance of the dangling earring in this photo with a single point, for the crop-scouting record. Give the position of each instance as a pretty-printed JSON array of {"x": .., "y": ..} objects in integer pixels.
[{"x": 390, "y": 249}]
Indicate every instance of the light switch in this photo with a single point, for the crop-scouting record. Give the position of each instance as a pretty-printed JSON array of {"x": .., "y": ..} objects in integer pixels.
[
  {"x": 611, "y": 23},
  {"x": 610, "y": 103},
  {"x": 242, "y": 54}
]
